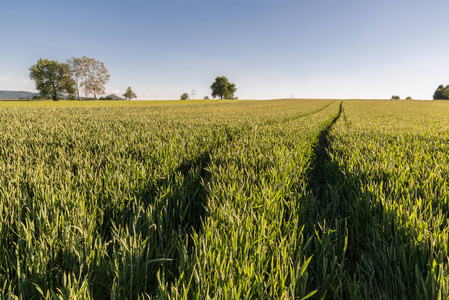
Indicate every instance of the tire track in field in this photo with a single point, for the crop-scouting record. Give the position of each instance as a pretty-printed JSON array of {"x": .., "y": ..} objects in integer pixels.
[
  {"x": 335, "y": 244},
  {"x": 328, "y": 221},
  {"x": 193, "y": 192},
  {"x": 197, "y": 176},
  {"x": 320, "y": 154},
  {"x": 179, "y": 207}
]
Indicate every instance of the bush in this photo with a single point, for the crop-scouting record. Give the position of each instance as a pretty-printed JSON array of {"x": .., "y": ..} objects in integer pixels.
[{"x": 106, "y": 98}]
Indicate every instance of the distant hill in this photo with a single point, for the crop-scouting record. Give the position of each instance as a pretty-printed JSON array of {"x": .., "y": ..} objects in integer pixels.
[
  {"x": 115, "y": 97},
  {"x": 16, "y": 94}
]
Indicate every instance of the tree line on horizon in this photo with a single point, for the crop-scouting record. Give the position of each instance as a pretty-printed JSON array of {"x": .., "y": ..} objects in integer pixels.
[{"x": 54, "y": 79}]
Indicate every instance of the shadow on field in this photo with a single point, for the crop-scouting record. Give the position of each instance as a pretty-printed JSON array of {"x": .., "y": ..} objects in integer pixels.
[
  {"x": 360, "y": 250},
  {"x": 161, "y": 219}
]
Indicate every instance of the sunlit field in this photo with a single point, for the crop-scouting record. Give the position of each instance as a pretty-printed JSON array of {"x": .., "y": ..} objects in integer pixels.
[{"x": 281, "y": 199}]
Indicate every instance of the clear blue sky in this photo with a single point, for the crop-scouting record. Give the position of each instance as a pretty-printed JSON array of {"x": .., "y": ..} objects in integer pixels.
[{"x": 268, "y": 48}]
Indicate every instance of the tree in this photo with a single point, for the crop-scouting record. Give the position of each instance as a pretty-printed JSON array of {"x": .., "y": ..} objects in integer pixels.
[
  {"x": 129, "y": 94},
  {"x": 438, "y": 94},
  {"x": 95, "y": 76},
  {"x": 89, "y": 74},
  {"x": 408, "y": 98},
  {"x": 52, "y": 78},
  {"x": 76, "y": 70},
  {"x": 223, "y": 88},
  {"x": 394, "y": 97},
  {"x": 86, "y": 84},
  {"x": 185, "y": 96},
  {"x": 99, "y": 76}
]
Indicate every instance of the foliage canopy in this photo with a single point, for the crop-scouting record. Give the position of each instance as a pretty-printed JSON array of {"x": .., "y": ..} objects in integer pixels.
[
  {"x": 129, "y": 94},
  {"x": 442, "y": 92},
  {"x": 223, "y": 88},
  {"x": 89, "y": 74},
  {"x": 52, "y": 78}
]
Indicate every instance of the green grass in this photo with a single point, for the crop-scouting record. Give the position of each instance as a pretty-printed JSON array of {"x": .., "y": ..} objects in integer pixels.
[
  {"x": 110, "y": 201},
  {"x": 284, "y": 199}
]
